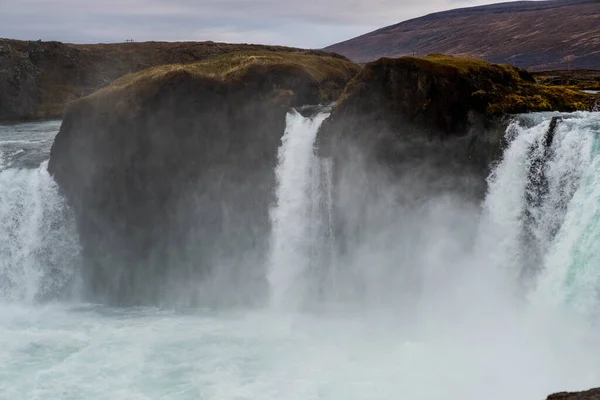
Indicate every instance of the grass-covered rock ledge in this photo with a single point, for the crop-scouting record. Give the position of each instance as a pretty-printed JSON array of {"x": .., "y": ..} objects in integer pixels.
[
  {"x": 185, "y": 149},
  {"x": 439, "y": 96},
  {"x": 290, "y": 78}
]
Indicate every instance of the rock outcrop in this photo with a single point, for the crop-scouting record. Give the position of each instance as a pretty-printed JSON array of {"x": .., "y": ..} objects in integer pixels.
[
  {"x": 40, "y": 79},
  {"x": 19, "y": 78},
  {"x": 170, "y": 172},
  {"x": 578, "y": 79},
  {"x": 440, "y": 96},
  {"x": 432, "y": 124},
  {"x": 593, "y": 394}
]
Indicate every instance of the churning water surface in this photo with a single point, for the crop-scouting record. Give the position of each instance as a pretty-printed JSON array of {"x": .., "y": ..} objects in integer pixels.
[{"x": 506, "y": 306}]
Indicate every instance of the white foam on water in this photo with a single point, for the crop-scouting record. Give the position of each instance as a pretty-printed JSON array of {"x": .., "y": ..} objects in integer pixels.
[
  {"x": 473, "y": 335},
  {"x": 98, "y": 353}
]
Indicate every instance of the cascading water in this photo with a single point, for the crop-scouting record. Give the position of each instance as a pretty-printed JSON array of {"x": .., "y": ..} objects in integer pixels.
[
  {"x": 443, "y": 296},
  {"x": 38, "y": 242},
  {"x": 571, "y": 275},
  {"x": 38, "y": 245},
  {"x": 544, "y": 235},
  {"x": 529, "y": 192},
  {"x": 297, "y": 218},
  {"x": 533, "y": 241}
]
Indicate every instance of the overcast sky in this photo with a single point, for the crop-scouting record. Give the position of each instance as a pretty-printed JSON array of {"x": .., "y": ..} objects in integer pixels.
[{"x": 301, "y": 23}]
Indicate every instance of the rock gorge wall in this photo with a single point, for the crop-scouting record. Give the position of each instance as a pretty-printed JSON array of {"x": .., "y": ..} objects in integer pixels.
[
  {"x": 433, "y": 124},
  {"x": 40, "y": 79},
  {"x": 174, "y": 165},
  {"x": 540, "y": 35}
]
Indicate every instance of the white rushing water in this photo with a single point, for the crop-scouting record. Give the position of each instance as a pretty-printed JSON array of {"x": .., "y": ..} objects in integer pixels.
[
  {"x": 295, "y": 217},
  {"x": 38, "y": 244},
  {"x": 37, "y": 239},
  {"x": 505, "y": 308}
]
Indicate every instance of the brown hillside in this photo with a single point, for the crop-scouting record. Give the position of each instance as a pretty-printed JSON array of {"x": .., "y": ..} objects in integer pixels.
[
  {"x": 39, "y": 79},
  {"x": 534, "y": 35}
]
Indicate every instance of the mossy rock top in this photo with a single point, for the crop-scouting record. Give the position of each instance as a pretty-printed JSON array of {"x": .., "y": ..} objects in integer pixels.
[
  {"x": 446, "y": 89},
  {"x": 232, "y": 66},
  {"x": 279, "y": 73}
]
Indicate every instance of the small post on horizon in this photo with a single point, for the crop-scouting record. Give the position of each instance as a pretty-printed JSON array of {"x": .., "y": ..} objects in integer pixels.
[{"x": 569, "y": 59}]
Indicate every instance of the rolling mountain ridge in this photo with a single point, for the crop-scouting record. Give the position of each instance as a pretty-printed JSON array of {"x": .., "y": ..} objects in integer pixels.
[{"x": 538, "y": 35}]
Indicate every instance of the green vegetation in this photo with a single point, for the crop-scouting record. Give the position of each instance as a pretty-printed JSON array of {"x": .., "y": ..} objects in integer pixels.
[
  {"x": 443, "y": 64},
  {"x": 234, "y": 68},
  {"x": 575, "y": 79},
  {"x": 504, "y": 89},
  {"x": 450, "y": 93},
  {"x": 234, "y": 65},
  {"x": 42, "y": 78},
  {"x": 535, "y": 98}
]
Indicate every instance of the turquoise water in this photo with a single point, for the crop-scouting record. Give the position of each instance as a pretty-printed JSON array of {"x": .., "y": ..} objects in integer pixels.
[
  {"x": 572, "y": 274},
  {"x": 468, "y": 329}
]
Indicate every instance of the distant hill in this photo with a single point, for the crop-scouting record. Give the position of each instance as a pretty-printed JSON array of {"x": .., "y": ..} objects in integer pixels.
[{"x": 554, "y": 34}]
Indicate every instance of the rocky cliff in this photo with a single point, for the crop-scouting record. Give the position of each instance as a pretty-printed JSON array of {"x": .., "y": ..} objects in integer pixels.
[
  {"x": 171, "y": 169},
  {"x": 439, "y": 97},
  {"x": 434, "y": 124},
  {"x": 39, "y": 79}
]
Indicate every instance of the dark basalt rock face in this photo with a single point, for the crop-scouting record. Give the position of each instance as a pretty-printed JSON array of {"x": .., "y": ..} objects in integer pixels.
[
  {"x": 433, "y": 125},
  {"x": 171, "y": 174},
  {"x": 440, "y": 97},
  {"x": 18, "y": 83}
]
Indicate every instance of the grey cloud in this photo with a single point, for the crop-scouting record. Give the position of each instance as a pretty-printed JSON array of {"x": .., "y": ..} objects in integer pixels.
[{"x": 311, "y": 23}]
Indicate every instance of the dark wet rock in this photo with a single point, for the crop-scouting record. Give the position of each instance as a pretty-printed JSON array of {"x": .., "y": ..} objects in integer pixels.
[
  {"x": 433, "y": 124},
  {"x": 170, "y": 173},
  {"x": 440, "y": 97}
]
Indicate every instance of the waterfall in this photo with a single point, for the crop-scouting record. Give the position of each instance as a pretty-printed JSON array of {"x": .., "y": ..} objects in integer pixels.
[
  {"x": 541, "y": 219},
  {"x": 571, "y": 276},
  {"x": 38, "y": 243},
  {"x": 537, "y": 226},
  {"x": 301, "y": 217}
]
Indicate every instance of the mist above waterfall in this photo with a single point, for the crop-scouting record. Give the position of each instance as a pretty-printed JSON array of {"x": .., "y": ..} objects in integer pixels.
[
  {"x": 428, "y": 277},
  {"x": 499, "y": 280}
]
